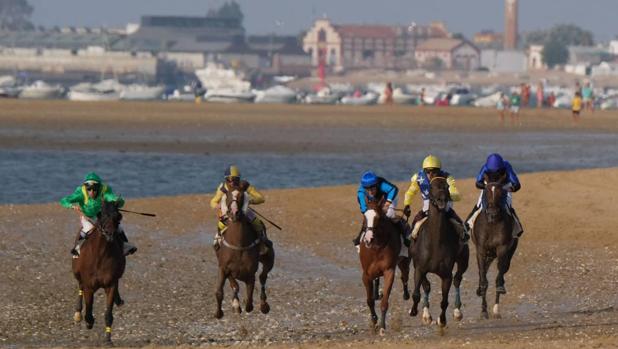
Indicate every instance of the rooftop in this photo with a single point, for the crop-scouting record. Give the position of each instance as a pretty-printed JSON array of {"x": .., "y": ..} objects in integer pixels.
[{"x": 445, "y": 44}]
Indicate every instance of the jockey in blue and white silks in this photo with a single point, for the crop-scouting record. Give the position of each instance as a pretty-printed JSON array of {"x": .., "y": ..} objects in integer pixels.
[{"x": 496, "y": 166}]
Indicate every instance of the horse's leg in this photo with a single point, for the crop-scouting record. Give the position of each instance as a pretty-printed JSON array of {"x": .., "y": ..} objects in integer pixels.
[
  {"x": 250, "y": 287},
  {"x": 377, "y": 294},
  {"x": 235, "y": 298},
  {"x": 267, "y": 266},
  {"x": 389, "y": 279},
  {"x": 219, "y": 293},
  {"x": 78, "y": 307},
  {"x": 117, "y": 299},
  {"x": 370, "y": 300},
  {"x": 462, "y": 266},
  {"x": 110, "y": 293},
  {"x": 427, "y": 319},
  {"x": 416, "y": 294},
  {"x": 481, "y": 291},
  {"x": 446, "y": 288},
  {"x": 404, "y": 268},
  {"x": 504, "y": 264},
  {"x": 88, "y": 299}
]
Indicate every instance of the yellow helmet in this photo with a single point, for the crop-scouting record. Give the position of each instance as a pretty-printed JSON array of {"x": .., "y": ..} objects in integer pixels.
[
  {"x": 432, "y": 161},
  {"x": 232, "y": 171}
]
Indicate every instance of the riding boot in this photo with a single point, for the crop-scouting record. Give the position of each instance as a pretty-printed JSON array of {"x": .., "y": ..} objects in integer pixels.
[
  {"x": 356, "y": 240},
  {"x": 79, "y": 241},
  {"x": 127, "y": 248},
  {"x": 518, "y": 228},
  {"x": 405, "y": 231},
  {"x": 260, "y": 229},
  {"x": 419, "y": 216},
  {"x": 467, "y": 222},
  {"x": 459, "y": 226}
]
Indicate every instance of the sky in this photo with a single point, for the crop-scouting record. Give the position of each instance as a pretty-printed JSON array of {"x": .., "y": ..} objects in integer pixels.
[{"x": 465, "y": 16}]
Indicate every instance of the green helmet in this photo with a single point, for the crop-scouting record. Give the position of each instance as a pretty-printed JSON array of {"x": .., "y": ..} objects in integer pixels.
[{"x": 92, "y": 177}]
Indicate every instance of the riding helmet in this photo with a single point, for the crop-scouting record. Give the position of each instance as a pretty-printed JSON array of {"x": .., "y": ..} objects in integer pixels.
[
  {"x": 369, "y": 179},
  {"x": 495, "y": 163},
  {"x": 432, "y": 161},
  {"x": 92, "y": 178},
  {"x": 232, "y": 171}
]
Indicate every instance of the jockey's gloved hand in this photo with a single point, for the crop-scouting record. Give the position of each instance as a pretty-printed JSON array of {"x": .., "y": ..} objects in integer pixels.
[{"x": 407, "y": 211}]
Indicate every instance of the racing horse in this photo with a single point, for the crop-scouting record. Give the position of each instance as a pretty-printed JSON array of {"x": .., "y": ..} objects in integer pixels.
[
  {"x": 100, "y": 264},
  {"x": 239, "y": 257},
  {"x": 379, "y": 257},
  {"x": 493, "y": 237},
  {"x": 436, "y": 250}
]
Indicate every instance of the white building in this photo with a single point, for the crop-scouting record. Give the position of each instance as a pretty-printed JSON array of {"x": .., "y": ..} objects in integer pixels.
[{"x": 449, "y": 53}]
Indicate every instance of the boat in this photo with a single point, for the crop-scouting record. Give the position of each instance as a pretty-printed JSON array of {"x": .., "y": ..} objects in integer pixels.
[
  {"x": 490, "y": 101},
  {"x": 138, "y": 92},
  {"x": 323, "y": 96},
  {"x": 229, "y": 96},
  {"x": 400, "y": 97},
  {"x": 368, "y": 98},
  {"x": 41, "y": 90},
  {"x": 8, "y": 87},
  {"x": 106, "y": 90},
  {"x": 217, "y": 77},
  {"x": 276, "y": 94}
]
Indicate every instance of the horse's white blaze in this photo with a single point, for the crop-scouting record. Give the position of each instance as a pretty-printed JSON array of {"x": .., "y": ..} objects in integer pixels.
[
  {"x": 234, "y": 204},
  {"x": 496, "y": 309},
  {"x": 457, "y": 314},
  {"x": 370, "y": 216},
  {"x": 235, "y": 304},
  {"x": 426, "y": 315}
]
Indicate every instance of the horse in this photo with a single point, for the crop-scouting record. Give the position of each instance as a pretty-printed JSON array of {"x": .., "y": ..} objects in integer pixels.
[
  {"x": 493, "y": 238},
  {"x": 100, "y": 264},
  {"x": 436, "y": 250},
  {"x": 379, "y": 256},
  {"x": 239, "y": 258}
]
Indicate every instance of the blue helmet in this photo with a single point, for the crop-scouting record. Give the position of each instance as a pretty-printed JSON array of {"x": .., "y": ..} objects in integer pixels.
[
  {"x": 495, "y": 163},
  {"x": 369, "y": 179}
]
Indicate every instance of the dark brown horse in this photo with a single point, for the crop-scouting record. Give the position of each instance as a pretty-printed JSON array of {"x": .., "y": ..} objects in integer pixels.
[
  {"x": 493, "y": 237},
  {"x": 379, "y": 257},
  {"x": 436, "y": 250},
  {"x": 100, "y": 264},
  {"x": 239, "y": 257}
]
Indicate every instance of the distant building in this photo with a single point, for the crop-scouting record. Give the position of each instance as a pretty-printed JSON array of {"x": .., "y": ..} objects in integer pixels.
[
  {"x": 488, "y": 39},
  {"x": 343, "y": 47},
  {"x": 504, "y": 61},
  {"x": 535, "y": 58},
  {"x": 448, "y": 54},
  {"x": 511, "y": 24},
  {"x": 613, "y": 47},
  {"x": 587, "y": 55}
]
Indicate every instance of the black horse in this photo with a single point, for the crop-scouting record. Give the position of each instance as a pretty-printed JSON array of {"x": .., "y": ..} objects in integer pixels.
[
  {"x": 436, "y": 250},
  {"x": 493, "y": 238}
]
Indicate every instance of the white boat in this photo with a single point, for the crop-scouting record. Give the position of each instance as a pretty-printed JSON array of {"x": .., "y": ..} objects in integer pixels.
[
  {"x": 368, "y": 98},
  {"x": 41, "y": 90},
  {"x": 490, "y": 101},
  {"x": 8, "y": 87},
  {"x": 93, "y": 95},
  {"x": 461, "y": 97},
  {"x": 276, "y": 94},
  {"x": 324, "y": 96},
  {"x": 217, "y": 77},
  {"x": 229, "y": 96},
  {"x": 400, "y": 97},
  {"x": 142, "y": 92}
]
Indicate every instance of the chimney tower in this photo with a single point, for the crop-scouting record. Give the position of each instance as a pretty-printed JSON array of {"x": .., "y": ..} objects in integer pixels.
[{"x": 511, "y": 27}]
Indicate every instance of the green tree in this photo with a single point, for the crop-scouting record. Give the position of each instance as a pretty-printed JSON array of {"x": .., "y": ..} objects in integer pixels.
[
  {"x": 15, "y": 15},
  {"x": 566, "y": 34},
  {"x": 228, "y": 10},
  {"x": 555, "y": 53}
]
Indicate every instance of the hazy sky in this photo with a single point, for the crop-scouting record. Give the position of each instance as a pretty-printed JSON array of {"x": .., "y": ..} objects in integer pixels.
[{"x": 467, "y": 16}]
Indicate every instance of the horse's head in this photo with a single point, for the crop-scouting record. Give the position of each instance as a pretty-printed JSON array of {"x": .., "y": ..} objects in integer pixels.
[
  {"x": 493, "y": 194},
  {"x": 372, "y": 218},
  {"x": 235, "y": 201},
  {"x": 109, "y": 219},
  {"x": 439, "y": 194}
]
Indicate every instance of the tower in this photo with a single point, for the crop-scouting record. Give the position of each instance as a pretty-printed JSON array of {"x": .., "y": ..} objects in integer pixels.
[{"x": 511, "y": 24}]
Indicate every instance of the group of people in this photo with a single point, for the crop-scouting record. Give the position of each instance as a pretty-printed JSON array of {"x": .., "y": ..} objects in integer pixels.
[
  {"x": 87, "y": 200},
  {"x": 375, "y": 188}
]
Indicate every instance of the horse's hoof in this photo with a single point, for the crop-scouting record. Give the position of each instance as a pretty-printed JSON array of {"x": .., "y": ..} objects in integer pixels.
[
  {"x": 265, "y": 308},
  {"x": 89, "y": 325},
  {"x": 413, "y": 311},
  {"x": 119, "y": 302},
  {"x": 500, "y": 290},
  {"x": 484, "y": 315},
  {"x": 218, "y": 314},
  {"x": 382, "y": 332},
  {"x": 426, "y": 316},
  {"x": 457, "y": 315},
  {"x": 249, "y": 308},
  {"x": 441, "y": 324},
  {"x": 406, "y": 295},
  {"x": 496, "y": 312},
  {"x": 77, "y": 317}
]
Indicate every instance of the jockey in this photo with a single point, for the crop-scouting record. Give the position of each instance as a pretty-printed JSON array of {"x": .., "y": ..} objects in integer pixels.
[
  {"x": 496, "y": 165},
  {"x": 375, "y": 188},
  {"x": 232, "y": 177},
  {"x": 87, "y": 200},
  {"x": 420, "y": 182}
]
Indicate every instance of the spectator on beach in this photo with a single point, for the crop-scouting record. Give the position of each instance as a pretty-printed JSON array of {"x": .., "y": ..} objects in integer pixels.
[
  {"x": 502, "y": 106},
  {"x": 588, "y": 97},
  {"x": 388, "y": 93},
  {"x": 525, "y": 95},
  {"x": 577, "y": 106},
  {"x": 551, "y": 99},
  {"x": 515, "y": 105},
  {"x": 421, "y": 97},
  {"x": 540, "y": 95}
]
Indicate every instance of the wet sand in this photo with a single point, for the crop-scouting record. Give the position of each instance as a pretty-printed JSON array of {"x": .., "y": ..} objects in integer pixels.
[
  {"x": 561, "y": 287},
  {"x": 218, "y": 128}
]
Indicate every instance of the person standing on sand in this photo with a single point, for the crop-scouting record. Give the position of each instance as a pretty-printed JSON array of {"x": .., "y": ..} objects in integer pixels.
[
  {"x": 515, "y": 105},
  {"x": 540, "y": 95},
  {"x": 551, "y": 99},
  {"x": 576, "y": 106},
  {"x": 502, "y": 106},
  {"x": 421, "y": 97},
  {"x": 588, "y": 97},
  {"x": 388, "y": 94},
  {"x": 525, "y": 95},
  {"x": 87, "y": 200}
]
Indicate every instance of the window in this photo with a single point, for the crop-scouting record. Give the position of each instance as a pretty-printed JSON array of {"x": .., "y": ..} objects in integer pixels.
[
  {"x": 368, "y": 54},
  {"x": 322, "y": 35}
]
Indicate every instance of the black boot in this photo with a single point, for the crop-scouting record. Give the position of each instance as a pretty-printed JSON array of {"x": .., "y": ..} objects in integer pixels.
[
  {"x": 127, "y": 248},
  {"x": 459, "y": 226},
  {"x": 356, "y": 240},
  {"x": 518, "y": 222},
  {"x": 476, "y": 208}
]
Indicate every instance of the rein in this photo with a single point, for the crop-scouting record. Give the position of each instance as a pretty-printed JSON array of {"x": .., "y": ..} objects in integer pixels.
[{"x": 237, "y": 248}]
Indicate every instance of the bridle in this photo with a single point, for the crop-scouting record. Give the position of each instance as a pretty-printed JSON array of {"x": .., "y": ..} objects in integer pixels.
[
  {"x": 493, "y": 212},
  {"x": 240, "y": 213}
]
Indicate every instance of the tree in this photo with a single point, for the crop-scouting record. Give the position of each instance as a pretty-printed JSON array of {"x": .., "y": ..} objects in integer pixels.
[
  {"x": 228, "y": 10},
  {"x": 15, "y": 15},
  {"x": 555, "y": 53},
  {"x": 566, "y": 34}
]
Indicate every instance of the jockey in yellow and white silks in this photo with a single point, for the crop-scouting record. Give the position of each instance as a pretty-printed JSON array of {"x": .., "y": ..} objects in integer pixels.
[
  {"x": 232, "y": 177},
  {"x": 420, "y": 183}
]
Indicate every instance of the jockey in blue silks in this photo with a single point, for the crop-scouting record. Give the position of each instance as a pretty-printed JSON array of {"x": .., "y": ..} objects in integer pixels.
[
  {"x": 494, "y": 167},
  {"x": 374, "y": 188}
]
